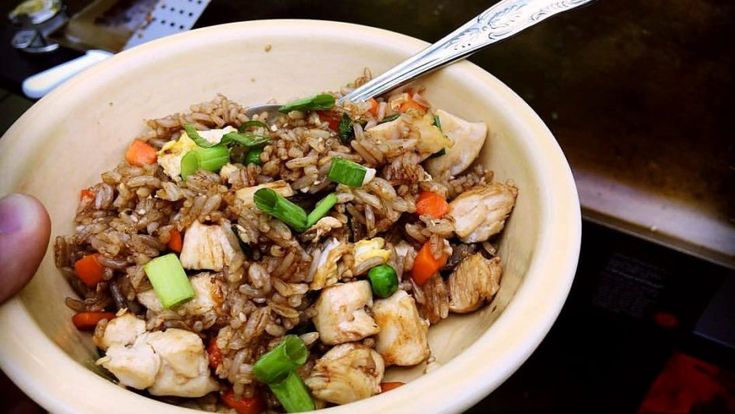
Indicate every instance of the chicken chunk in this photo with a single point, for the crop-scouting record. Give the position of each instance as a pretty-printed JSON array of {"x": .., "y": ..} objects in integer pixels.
[
  {"x": 171, "y": 363},
  {"x": 347, "y": 373},
  {"x": 403, "y": 337},
  {"x": 246, "y": 194},
  {"x": 474, "y": 281},
  {"x": 134, "y": 366},
  {"x": 387, "y": 131},
  {"x": 468, "y": 138},
  {"x": 322, "y": 227},
  {"x": 121, "y": 330},
  {"x": 481, "y": 212},
  {"x": 326, "y": 271},
  {"x": 209, "y": 247},
  {"x": 207, "y": 297},
  {"x": 184, "y": 370},
  {"x": 340, "y": 313}
]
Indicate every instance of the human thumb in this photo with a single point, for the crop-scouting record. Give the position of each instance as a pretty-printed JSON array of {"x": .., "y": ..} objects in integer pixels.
[{"x": 24, "y": 234}]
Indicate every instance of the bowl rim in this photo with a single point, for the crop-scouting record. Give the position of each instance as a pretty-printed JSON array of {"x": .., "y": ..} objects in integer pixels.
[{"x": 537, "y": 302}]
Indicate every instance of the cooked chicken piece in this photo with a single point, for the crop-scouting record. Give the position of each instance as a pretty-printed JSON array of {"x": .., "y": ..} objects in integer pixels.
[
  {"x": 429, "y": 138},
  {"x": 473, "y": 282},
  {"x": 184, "y": 370},
  {"x": 209, "y": 247},
  {"x": 340, "y": 313},
  {"x": 322, "y": 227},
  {"x": 347, "y": 373},
  {"x": 121, "y": 330},
  {"x": 246, "y": 194},
  {"x": 402, "y": 339},
  {"x": 481, "y": 212},
  {"x": 207, "y": 296},
  {"x": 326, "y": 271},
  {"x": 134, "y": 366},
  {"x": 387, "y": 131},
  {"x": 468, "y": 138},
  {"x": 368, "y": 254},
  {"x": 172, "y": 362}
]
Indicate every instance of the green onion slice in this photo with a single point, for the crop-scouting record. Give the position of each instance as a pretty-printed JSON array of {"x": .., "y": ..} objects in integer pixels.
[
  {"x": 292, "y": 394},
  {"x": 437, "y": 122},
  {"x": 246, "y": 139},
  {"x": 390, "y": 118},
  {"x": 383, "y": 280},
  {"x": 438, "y": 153},
  {"x": 253, "y": 156},
  {"x": 346, "y": 172},
  {"x": 279, "y": 207},
  {"x": 321, "y": 209},
  {"x": 198, "y": 139},
  {"x": 345, "y": 130},
  {"x": 252, "y": 124},
  {"x": 275, "y": 364},
  {"x": 169, "y": 280},
  {"x": 313, "y": 103},
  {"x": 210, "y": 159}
]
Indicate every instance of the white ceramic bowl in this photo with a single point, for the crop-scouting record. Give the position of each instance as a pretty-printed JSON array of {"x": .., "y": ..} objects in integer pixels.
[{"x": 67, "y": 139}]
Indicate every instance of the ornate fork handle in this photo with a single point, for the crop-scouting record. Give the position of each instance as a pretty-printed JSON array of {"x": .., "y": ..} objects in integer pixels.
[{"x": 500, "y": 21}]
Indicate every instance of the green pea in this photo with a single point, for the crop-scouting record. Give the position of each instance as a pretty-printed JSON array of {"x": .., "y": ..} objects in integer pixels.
[{"x": 383, "y": 280}]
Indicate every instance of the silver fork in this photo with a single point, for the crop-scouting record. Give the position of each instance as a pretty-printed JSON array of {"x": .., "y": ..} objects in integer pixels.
[{"x": 502, "y": 20}]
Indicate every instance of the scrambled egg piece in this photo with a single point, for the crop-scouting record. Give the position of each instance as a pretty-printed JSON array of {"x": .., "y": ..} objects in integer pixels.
[
  {"x": 365, "y": 250},
  {"x": 170, "y": 155}
]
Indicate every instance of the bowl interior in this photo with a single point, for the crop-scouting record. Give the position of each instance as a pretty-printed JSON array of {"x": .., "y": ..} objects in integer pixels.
[{"x": 65, "y": 141}]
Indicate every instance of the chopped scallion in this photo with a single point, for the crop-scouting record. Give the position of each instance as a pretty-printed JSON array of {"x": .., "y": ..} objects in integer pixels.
[
  {"x": 210, "y": 159},
  {"x": 275, "y": 364},
  {"x": 321, "y": 209},
  {"x": 169, "y": 280},
  {"x": 437, "y": 122},
  {"x": 345, "y": 130},
  {"x": 279, "y": 207},
  {"x": 313, "y": 103},
  {"x": 346, "y": 172},
  {"x": 253, "y": 156},
  {"x": 246, "y": 139},
  {"x": 438, "y": 153},
  {"x": 252, "y": 124},
  {"x": 390, "y": 118},
  {"x": 192, "y": 132},
  {"x": 292, "y": 394}
]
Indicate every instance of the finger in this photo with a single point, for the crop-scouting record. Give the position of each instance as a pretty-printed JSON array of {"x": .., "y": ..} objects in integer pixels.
[{"x": 24, "y": 234}]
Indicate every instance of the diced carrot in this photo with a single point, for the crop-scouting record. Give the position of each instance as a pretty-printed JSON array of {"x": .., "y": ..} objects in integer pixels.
[
  {"x": 330, "y": 117},
  {"x": 215, "y": 354},
  {"x": 424, "y": 266},
  {"x": 87, "y": 321},
  {"x": 254, "y": 405},
  {"x": 373, "y": 107},
  {"x": 89, "y": 270},
  {"x": 387, "y": 386},
  {"x": 86, "y": 194},
  {"x": 409, "y": 104},
  {"x": 431, "y": 204},
  {"x": 175, "y": 242},
  {"x": 139, "y": 153}
]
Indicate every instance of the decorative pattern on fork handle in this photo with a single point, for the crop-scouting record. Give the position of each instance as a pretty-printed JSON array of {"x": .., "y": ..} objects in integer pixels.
[{"x": 500, "y": 21}]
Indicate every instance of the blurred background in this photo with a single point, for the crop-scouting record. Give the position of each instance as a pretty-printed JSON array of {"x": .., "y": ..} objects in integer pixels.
[{"x": 639, "y": 94}]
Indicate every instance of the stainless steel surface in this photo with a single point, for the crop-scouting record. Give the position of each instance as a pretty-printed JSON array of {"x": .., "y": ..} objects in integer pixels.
[
  {"x": 168, "y": 18},
  {"x": 499, "y": 22}
]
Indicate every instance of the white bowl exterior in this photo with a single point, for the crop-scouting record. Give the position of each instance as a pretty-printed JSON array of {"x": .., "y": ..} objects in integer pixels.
[{"x": 39, "y": 349}]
